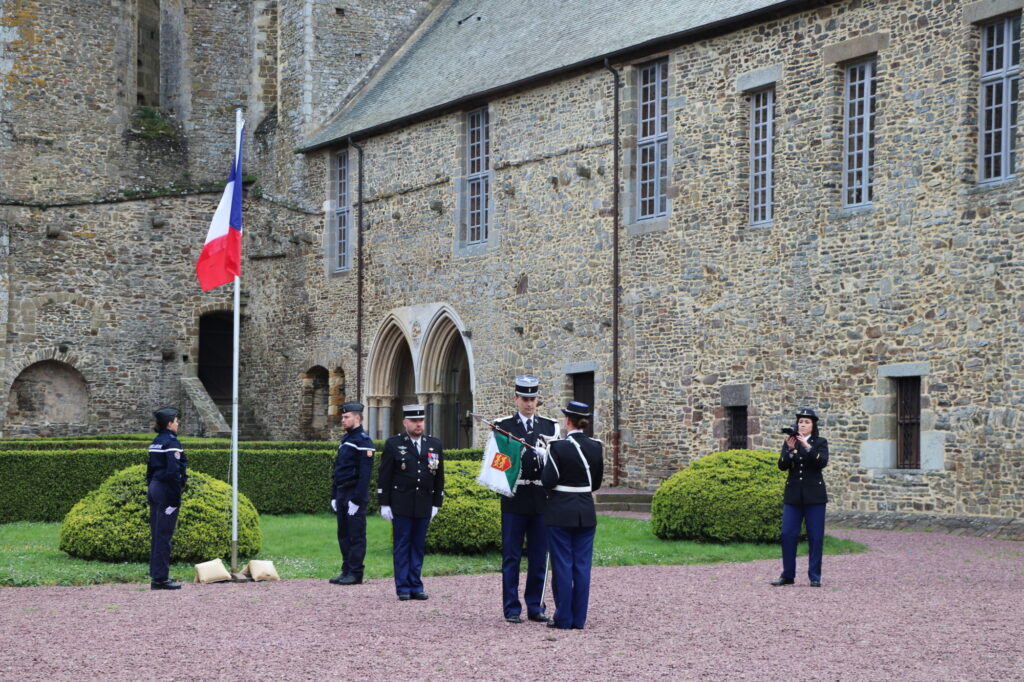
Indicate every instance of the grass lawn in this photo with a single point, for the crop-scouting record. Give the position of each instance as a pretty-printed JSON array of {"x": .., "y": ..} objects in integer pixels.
[{"x": 305, "y": 546}]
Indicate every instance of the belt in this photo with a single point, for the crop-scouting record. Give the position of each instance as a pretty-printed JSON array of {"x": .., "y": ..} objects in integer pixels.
[
  {"x": 573, "y": 488},
  {"x": 525, "y": 482}
]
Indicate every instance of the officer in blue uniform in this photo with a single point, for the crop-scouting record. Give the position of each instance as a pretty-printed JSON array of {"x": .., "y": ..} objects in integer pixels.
[
  {"x": 350, "y": 493},
  {"x": 803, "y": 455},
  {"x": 410, "y": 491},
  {"x": 522, "y": 515},
  {"x": 166, "y": 474},
  {"x": 572, "y": 472}
]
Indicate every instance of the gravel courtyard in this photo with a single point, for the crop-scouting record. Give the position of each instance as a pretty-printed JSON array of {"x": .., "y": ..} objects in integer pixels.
[{"x": 917, "y": 606}]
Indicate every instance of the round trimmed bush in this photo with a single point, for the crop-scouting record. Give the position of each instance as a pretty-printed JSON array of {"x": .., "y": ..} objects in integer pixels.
[
  {"x": 731, "y": 496},
  {"x": 111, "y": 523},
  {"x": 470, "y": 518}
]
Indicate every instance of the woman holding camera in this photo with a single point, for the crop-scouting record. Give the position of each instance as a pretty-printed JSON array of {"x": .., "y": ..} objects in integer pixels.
[{"x": 804, "y": 455}]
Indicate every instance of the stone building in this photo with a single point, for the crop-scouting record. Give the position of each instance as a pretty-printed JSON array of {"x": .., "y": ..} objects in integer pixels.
[{"x": 699, "y": 216}]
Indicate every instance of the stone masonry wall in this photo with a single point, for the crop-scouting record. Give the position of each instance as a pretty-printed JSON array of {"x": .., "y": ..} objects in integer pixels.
[{"x": 804, "y": 312}]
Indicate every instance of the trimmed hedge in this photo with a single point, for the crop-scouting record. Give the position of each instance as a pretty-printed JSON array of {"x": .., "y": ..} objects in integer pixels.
[
  {"x": 731, "y": 496},
  {"x": 111, "y": 523},
  {"x": 470, "y": 518},
  {"x": 288, "y": 477}
]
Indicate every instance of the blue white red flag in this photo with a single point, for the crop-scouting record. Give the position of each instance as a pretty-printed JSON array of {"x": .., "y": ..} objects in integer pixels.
[{"x": 221, "y": 258}]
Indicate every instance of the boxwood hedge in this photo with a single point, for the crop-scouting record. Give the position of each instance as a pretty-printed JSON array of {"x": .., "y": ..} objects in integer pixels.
[
  {"x": 280, "y": 477},
  {"x": 470, "y": 518},
  {"x": 111, "y": 523},
  {"x": 731, "y": 496}
]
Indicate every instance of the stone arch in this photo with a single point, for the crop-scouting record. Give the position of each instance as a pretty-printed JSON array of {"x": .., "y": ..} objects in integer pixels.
[
  {"x": 48, "y": 398},
  {"x": 446, "y": 379},
  {"x": 391, "y": 379},
  {"x": 25, "y": 318},
  {"x": 315, "y": 403}
]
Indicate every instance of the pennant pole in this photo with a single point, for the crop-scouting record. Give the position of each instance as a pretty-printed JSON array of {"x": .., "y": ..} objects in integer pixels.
[{"x": 234, "y": 393}]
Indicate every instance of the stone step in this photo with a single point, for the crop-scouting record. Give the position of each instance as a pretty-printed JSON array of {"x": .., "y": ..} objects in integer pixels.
[
  {"x": 622, "y": 506},
  {"x": 623, "y": 496}
]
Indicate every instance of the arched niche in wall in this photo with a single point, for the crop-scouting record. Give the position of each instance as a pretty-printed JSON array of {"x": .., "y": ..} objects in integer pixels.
[{"x": 48, "y": 398}]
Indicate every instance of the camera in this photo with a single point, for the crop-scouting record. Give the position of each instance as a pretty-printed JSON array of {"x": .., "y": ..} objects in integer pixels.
[{"x": 789, "y": 431}]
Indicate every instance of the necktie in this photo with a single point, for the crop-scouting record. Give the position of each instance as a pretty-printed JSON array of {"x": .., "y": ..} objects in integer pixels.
[
  {"x": 529, "y": 425},
  {"x": 417, "y": 444}
]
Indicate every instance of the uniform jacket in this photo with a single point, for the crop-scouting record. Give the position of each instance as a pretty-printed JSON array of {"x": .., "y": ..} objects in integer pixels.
[
  {"x": 168, "y": 465},
  {"x": 805, "y": 484},
  {"x": 530, "y": 497},
  {"x": 409, "y": 483},
  {"x": 565, "y": 468},
  {"x": 353, "y": 465}
]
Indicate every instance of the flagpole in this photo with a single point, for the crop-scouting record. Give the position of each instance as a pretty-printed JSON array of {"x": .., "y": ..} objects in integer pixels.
[{"x": 234, "y": 395}]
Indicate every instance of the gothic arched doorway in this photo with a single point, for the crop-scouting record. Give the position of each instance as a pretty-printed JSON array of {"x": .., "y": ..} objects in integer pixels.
[
  {"x": 447, "y": 383},
  {"x": 392, "y": 381}
]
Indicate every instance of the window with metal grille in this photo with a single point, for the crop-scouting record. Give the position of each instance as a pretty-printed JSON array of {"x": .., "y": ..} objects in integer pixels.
[
  {"x": 652, "y": 141},
  {"x": 340, "y": 232},
  {"x": 478, "y": 179},
  {"x": 859, "y": 134},
  {"x": 736, "y": 424},
  {"x": 908, "y": 422},
  {"x": 1000, "y": 76},
  {"x": 762, "y": 146}
]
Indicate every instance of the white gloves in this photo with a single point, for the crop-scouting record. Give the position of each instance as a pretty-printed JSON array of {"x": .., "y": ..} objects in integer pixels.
[
  {"x": 169, "y": 510},
  {"x": 433, "y": 512},
  {"x": 385, "y": 511},
  {"x": 352, "y": 508},
  {"x": 334, "y": 506},
  {"x": 542, "y": 453}
]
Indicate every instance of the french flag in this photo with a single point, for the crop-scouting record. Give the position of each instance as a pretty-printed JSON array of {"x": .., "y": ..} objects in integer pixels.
[{"x": 221, "y": 258}]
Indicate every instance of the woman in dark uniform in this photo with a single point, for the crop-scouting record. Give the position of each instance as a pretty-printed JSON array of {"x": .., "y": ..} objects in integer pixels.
[
  {"x": 165, "y": 476},
  {"x": 573, "y": 470},
  {"x": 804, "y": 455}
]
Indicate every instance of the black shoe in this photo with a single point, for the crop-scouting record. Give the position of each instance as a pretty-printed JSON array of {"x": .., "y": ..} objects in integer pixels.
[
  {"x": 419, "y": 596},
  {"x": 336, "y": 580},
  {"x": 538, "y": 618},
  {"x": 404, "y": 597},
  {"x": 514, "y": 618},
  {"x": 815, "y": 583},
  {"x": 164, "y": 585},
  {"x": 350, "y": 580},
  {"x": 782, "y": 581},
  {"x": 551, "y": 623}
]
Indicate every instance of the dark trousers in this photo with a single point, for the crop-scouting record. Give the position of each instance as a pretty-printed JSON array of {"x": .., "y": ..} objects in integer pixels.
[
  {"x": 409, "y": 542},
  {"x": 514, "y": 529},
  {"x": 161, "y": 529},
  {"x": 351, "y": 535},
  {"x": 572, "y": 553},
  {"x": 813, "y": 515}
]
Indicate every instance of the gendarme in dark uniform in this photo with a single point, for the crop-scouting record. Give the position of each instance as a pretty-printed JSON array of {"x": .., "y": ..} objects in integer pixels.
[
  {"x": 410, "y": 491},
  {"x": 522, "y": 515},
  {"x": 350, "y": 493},
  {"x": 573, "y": 471},
  {"x": 166, "y": 474},
  {"x": 804, "y": 499}
]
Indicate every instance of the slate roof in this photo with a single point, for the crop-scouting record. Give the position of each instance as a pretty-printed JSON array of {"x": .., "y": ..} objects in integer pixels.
[{"x": 471, "y": 48}]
